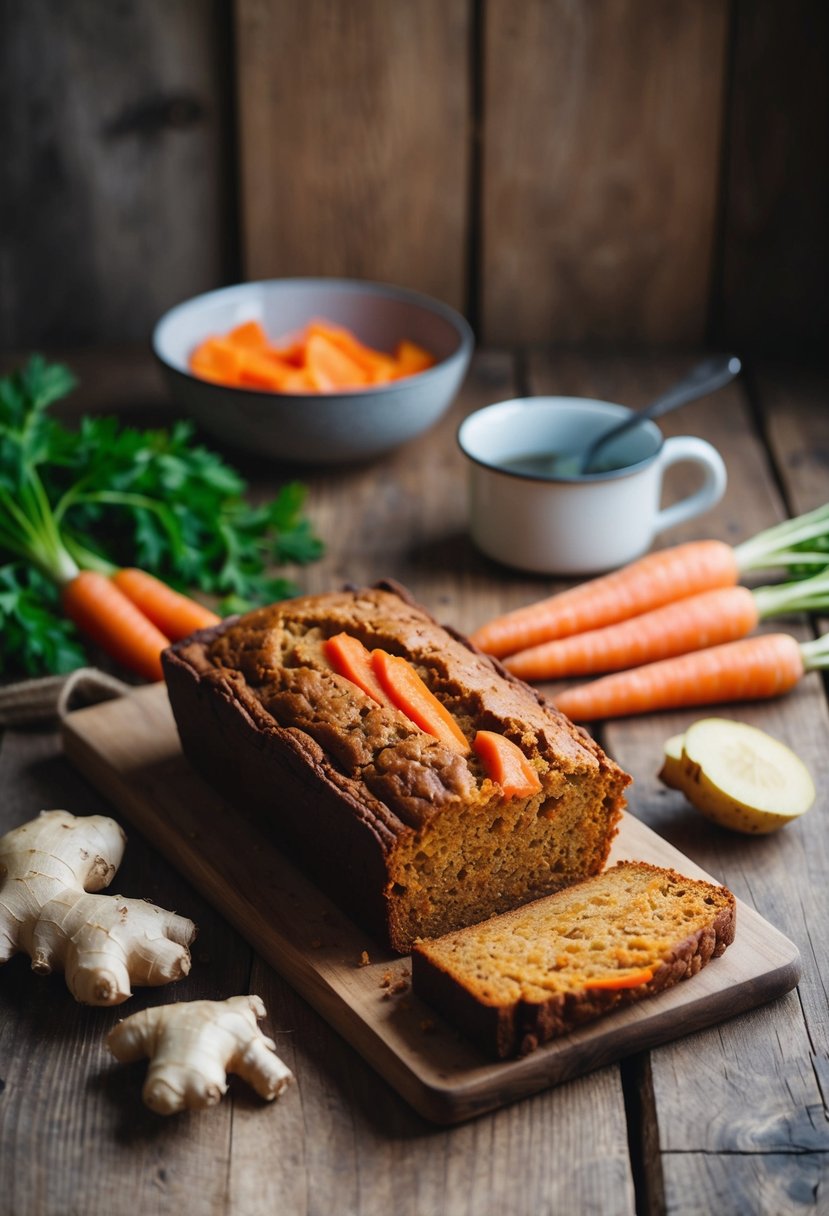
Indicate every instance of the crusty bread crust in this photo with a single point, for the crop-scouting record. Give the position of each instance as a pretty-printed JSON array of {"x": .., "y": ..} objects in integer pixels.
[{"x": 357, "y": 793}]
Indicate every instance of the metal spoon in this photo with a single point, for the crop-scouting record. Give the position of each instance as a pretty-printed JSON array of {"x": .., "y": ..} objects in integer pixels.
[{"x": 703, "y": 379}]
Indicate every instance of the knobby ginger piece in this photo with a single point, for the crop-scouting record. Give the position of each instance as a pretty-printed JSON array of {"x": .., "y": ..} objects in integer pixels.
[
  {"x": 193, "y": 1045},
  {"x": 103, "y": 943}
]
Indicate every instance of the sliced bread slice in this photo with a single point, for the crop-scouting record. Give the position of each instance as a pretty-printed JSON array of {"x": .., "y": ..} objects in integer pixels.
[{"x": 526, "y": 976}]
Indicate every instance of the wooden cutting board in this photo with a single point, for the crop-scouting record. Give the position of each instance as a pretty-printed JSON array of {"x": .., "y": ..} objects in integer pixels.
[{"x": 129, "y": 750}]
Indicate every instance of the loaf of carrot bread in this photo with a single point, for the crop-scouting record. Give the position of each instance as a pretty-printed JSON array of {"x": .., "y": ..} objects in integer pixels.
[
  {"x": 409, "y": 833},
  {"x": 525, "y": 977}
]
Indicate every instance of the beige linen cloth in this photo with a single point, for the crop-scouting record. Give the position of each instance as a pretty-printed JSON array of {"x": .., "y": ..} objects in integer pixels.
[{"x": 45, "y": 701}]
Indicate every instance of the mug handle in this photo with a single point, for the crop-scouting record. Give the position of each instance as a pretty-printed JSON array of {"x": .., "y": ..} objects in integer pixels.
[{"x": 695, "y": 451}]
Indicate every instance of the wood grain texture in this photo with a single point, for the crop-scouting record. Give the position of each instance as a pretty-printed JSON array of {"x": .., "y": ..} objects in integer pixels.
[
  {"x": 773, "y": 294},
  {"x": 354, "y": 140},
  {"x": 600, "y": 169},
  {"x": 113, "y": 162},
  {"x": 62, "y": 1090},
  {"x": 732, "y": 1185},
  {"x": 129, "y": 750},
  {"x": 360, "y": 1149},
  {"x": 71, "y": 1120},
  {"x": 794, "y": 404},
  {"x": 758, "y": 1086}
]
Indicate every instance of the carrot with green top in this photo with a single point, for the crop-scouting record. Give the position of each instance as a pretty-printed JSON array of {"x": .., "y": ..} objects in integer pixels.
[
  {"x": 767, "y": 665},
  {"x": 694, "y": 623},
  {"x": 655, "y": 580},
  {"x": 176, "y": 615},
  {"x": 104, "y": 614}
]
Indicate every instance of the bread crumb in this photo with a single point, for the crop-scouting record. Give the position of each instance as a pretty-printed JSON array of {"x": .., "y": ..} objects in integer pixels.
[{"x": 365, "y": 961}]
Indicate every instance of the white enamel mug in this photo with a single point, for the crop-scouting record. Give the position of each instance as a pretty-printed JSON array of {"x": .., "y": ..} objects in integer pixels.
[{"x": 573, "y": 525}]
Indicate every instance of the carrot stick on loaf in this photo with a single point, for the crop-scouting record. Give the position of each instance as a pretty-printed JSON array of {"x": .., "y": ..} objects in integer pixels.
[
  {"x": 654, "y": 580},
  {"x": 694, "y": 623},
  {"x": 750, "y": 669}
]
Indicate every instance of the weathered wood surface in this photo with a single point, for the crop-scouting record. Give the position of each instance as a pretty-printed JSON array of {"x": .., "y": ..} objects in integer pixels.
[
  {"x": 731, "y": 1120},
  {"x": 775, "y": 188},
  {"x": 117, "y": 197},
  {"x": 129, "y": 751},
  {"x": 353, "y": 140},
  {"x": 607, "y": 161}
]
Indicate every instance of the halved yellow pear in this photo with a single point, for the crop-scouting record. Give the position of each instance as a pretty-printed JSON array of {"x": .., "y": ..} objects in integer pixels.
[
  {"x": 740, "y": 777},
  {"x": 672, "y": 772}
]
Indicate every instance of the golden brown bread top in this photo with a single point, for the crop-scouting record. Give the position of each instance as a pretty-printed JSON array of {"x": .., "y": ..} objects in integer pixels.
[{"x": 278, "y": 654}]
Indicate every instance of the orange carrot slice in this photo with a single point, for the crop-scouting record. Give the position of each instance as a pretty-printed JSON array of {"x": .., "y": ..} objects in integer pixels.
[
  {"x": 249, "y": 334},
  {"x": 298, "y": 381},
  {"x": 261, "y": 369},
  {"x": 633, "y": 979},
  {"x": 324, "y": 358},
  {"x": 506, "y": 764},
  {"x": 411, "y": 359},
  {"x": 409, "y": 693},
  {"x": 330, "y": 368},
  {"x": 376, "y": 365},
  {"x": 350, "y": 658},
  {"x": 176, "y": 615},
  {"x": 220, "y": 359}
]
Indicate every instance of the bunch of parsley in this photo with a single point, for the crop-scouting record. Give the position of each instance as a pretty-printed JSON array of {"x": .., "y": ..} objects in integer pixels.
[{"x": 105, "y": 495}]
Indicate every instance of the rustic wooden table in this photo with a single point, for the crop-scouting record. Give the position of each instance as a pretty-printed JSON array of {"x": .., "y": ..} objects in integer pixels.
[{"x": 727, "y": 1120}]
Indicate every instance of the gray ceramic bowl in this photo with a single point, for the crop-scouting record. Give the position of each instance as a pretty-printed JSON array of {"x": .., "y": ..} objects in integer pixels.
[{"x": 325, "y": 428}]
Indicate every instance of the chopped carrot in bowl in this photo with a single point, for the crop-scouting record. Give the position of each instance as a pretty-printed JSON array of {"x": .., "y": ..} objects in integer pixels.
[{"x": 324, "y": 358}]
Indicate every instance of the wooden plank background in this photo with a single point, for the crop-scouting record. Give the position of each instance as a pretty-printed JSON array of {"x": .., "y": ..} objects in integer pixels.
[{"x": 585, "y": 174}]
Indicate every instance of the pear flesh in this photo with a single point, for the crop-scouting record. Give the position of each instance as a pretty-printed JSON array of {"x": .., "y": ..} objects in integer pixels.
[{"x": 738, "y": 776}]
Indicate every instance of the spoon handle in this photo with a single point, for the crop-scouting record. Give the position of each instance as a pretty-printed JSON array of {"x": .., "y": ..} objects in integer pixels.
[{"x": 706, "y": 377}]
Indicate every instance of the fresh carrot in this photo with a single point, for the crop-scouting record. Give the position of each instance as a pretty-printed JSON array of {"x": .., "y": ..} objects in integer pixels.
[
  {"x": 648, "y": 583},
  {"x": 708, "y": 619},
  {"x": 101, "y": 610},
  {"x": 350, "y": 658},
  {"x": 633, "y": 979},
  {"x": 506, "y": 764},
  {"x": 176, "y": 615},
  {"x": 655, "y": 580},
  {"x": 409, "y": 693},
  {"x": 750, "y": 669}
]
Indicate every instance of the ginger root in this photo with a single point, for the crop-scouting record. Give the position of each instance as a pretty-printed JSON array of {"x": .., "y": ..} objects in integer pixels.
[
  {"x": 103, "y": 943},
  {"x": 193, "y": 1045}
]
